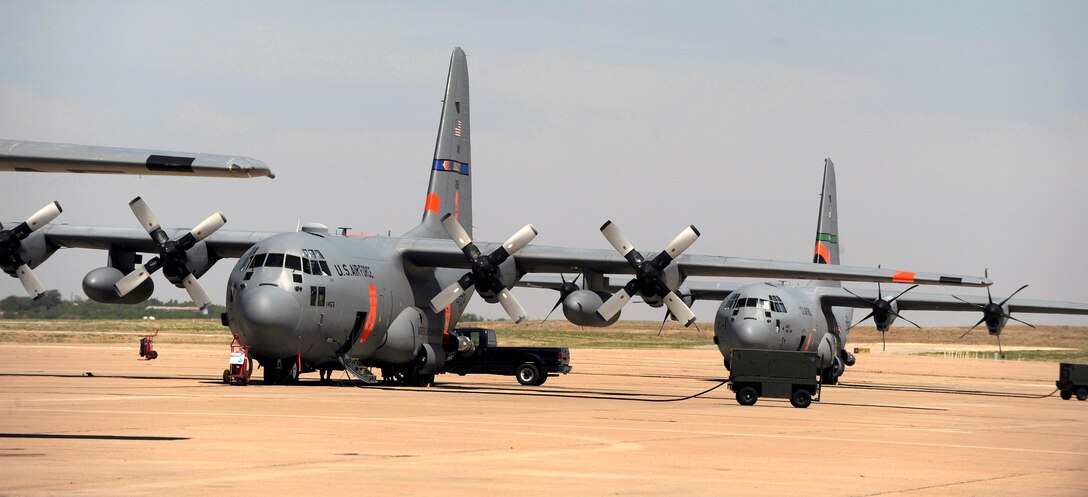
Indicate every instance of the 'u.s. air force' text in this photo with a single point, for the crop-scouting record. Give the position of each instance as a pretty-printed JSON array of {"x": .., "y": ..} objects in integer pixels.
[{"x": 353, "y": 270}]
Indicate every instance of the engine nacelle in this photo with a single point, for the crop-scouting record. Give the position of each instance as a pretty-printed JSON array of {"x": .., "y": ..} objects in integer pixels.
[
  {"x": 98, "y": 285},
  {"x": 884, "y": 314},
  {"x": 580, "y": 308},
  {"x": 996, "y": 319}
]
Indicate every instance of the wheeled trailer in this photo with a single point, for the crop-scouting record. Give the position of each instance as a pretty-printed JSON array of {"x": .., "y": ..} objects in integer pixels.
[
  {"x": 1072, "y": 380},
  {"x": 241, "y": 364},
  {"x": 773, "y": 373}
]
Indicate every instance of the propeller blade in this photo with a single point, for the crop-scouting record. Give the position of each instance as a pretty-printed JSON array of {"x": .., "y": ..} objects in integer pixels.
[
  {"x": 1011, "y": 296},
  {"x": 901, "y": 294},
  {"x": 973, "y": 327},
  {"x": 682, "y": 242},
  {"x": 907, "y": 320},
  {"x": 450, "y": 293},
  {"x": 969, "y": 303},
  {"x": 131, "y": 280},
  {"x": 614, "y": 304},
  {"x": 1019, "y": 321},
  {"x": 867, "y": 316},
  {"x": 456, "y": 232},
  {"x": 512, "y": 306},
  {"x": 554, "y": 307},
  {"x": 679, "y": 309},
  {"x": 208, "y": 226},
  {"x": 860, "y": 297},
  {"x": 196, "y": 292},
  {"x": 44, "y": 216},
  {"x": 144, "y": 214},
  {"x": 30, "y": 282},
  {"x": 616, "y": 237},
  {"x": 520, "y": 239}
]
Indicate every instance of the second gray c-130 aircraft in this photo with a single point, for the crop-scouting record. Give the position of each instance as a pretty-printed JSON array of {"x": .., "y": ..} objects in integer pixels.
[
  {"x": 311, "y": 300},
  {"x": 817, "y": 317}
]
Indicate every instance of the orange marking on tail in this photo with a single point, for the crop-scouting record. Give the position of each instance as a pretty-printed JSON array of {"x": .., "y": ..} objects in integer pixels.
[
  {"x": 457, "y": 205},
  {"x": 903, "y": 276},
  {"x": 433, "y": 201},
  {"x": 821, "y": 250},
  {"x": 372, "y": 317}
]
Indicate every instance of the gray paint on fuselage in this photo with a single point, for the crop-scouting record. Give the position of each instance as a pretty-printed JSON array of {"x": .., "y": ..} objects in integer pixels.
[
  {"x": 804, "y": 325},
  {"x": 355, "y": 263}
]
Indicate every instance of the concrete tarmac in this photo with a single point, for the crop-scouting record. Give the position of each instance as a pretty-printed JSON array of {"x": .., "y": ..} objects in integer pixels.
[{"x": 899, "y": 425}]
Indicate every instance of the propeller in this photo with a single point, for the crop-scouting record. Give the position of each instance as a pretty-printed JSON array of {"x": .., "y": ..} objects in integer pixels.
[
  {"x": 648, "y": 274},
  {"x": 171, "y": 258},
  {"x": 10, "y": 258},
  {"x": 566, "y": 288},
  {"x": 994, "y": 313},
  {"x": 881, "y": 310},
  {"x": 485, "y": 268}
]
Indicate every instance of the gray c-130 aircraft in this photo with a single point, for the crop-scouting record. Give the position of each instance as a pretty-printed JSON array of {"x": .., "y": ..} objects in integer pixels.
[
  {"x": 817, "y": 317},
  {"x": 311, "y": 300}
]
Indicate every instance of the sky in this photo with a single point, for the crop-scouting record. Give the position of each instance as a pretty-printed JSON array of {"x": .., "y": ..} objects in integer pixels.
[{"x": 959, "y": 130}]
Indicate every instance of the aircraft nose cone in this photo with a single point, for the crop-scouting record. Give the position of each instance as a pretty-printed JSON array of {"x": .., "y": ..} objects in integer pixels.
[
  {"x": 749, "y": 333},
  {"x": 269, "y": 314}
]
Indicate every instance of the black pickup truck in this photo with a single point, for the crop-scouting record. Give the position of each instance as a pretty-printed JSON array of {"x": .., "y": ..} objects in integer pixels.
[{"x": 531, "y": 365}]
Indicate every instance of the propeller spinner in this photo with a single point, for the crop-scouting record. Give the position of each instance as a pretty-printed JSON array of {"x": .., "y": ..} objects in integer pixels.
[
  {"x": 171, "y": 253},
  {"x": 485, "y": 268},
  {"x": 11, "y": 259}
]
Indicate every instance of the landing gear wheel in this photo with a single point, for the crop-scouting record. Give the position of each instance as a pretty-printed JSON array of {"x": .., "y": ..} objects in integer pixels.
[
  {"x": 1082, "y": 393},
  {"x": 1066, "y": 394},
  {"x": 747, "y": 396},
  {"x": 528, "y": 374},
  {"x": 801, "y": 398}
]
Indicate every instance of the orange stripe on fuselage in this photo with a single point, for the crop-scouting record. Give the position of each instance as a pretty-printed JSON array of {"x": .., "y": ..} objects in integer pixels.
[
  {"x": 372, "y": 317},
  {"x": 433, "y": 201},
  {"x": 903, "y": 276}
]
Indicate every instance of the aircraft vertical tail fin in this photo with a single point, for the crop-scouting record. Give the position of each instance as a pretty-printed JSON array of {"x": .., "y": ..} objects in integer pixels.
[
  {"x": 827, "y": 227},
  {"x": 450, "y": 189}
]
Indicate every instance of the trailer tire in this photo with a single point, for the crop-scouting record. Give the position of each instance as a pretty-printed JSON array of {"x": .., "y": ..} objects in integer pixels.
[
  {"x": 226, "y": 376},
  {"x": 747, "y": 396},
  {"x": 1082, "y": 393},
  {"x": 1066, "y": 394},
  {"x": 528, "y": 374},
  {"x": 154, "y": 354},
  {"x": 801, "y": 398}
]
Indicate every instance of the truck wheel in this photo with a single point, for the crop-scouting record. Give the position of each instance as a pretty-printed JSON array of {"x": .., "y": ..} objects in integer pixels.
[
  {"x": 1082, "y": 393},
  {"x": 747, "y": 396},
  {"x": 801, "y": 398},
  {"x": 528, "y": 374},
  {"x": 1067, "y": 394}
]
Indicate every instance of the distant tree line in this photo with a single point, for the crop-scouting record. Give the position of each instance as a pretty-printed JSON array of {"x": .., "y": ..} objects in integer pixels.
[{"x": 51, "y": 306}]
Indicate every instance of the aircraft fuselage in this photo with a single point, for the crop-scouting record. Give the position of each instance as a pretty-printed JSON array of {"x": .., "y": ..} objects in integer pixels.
[{"x": 313, "y": 296}]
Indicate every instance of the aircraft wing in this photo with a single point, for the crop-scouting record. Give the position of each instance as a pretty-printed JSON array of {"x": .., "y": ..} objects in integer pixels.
[
  {"x": 837, "y": 297},
  {"x": 697, "y": 290},
  {"x": 223, "y": 243},
  {"x": 543, "y": 259},
  {"x": 28, "y": 156}
]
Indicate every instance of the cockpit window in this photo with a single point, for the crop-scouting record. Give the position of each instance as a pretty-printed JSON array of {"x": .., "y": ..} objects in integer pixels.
[
  {"x": 274, "y": 260},
  {"x": 293, "y": 262},
  {"x": 776, "y": 304},
  {"x": 731, "y": 301},
  {"x": 258, "y": 260},
  {"x": 325, "y": 268}
]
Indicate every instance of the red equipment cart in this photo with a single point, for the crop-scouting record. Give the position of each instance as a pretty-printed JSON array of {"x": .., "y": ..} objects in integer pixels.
[
  {"x": 147, "y": 346},
  {"x": 241, "y": 364}
]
